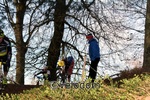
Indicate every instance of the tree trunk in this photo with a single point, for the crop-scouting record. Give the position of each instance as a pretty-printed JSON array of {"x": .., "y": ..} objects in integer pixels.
[
  {"x": 146, "y": 62},
  {"x": 54, "y": 48},
  {"x": 20, "y": 65},
  {"x": 20, "y": 45}
]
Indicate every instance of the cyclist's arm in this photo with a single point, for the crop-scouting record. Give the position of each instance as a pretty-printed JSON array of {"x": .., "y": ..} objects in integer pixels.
[
  {"x": 8, "y": 43},
  {"x": 9, "y": 48}
]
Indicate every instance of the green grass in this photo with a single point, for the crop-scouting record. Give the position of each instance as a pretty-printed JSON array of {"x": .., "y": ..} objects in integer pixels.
[{"x": 130, "y": 90}]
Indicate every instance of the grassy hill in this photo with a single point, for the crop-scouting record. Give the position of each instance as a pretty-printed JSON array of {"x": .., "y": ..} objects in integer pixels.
[{"x": 135, "y": 88}]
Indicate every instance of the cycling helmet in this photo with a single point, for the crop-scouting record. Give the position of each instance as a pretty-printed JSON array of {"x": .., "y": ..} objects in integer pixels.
[
  {"x": 1, "y": 33},
  {"x": 61, "y": 63},
  {"x": 69, "y": 59}
]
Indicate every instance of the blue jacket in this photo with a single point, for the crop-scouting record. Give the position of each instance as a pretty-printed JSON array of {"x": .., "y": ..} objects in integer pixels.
[{"x": 94, "y": 50}]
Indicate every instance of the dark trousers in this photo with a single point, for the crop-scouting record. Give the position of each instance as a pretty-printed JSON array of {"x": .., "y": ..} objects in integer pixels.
[
  {"x": 6, "y": 64},
  {"x": 93, "y": 69}
]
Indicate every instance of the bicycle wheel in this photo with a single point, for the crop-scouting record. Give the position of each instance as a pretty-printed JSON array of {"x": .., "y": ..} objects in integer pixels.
[{"x": 1, "y": 77}]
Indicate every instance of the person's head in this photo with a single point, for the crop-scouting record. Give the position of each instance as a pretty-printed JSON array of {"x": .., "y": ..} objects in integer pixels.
[
  {"x": 45, "y": 68},
  {"x": 1, "y": 35},
  {"x": 89, "y": 36},
  {"x": 61, "y": 63},
  {"x": 69, "y": 59}
]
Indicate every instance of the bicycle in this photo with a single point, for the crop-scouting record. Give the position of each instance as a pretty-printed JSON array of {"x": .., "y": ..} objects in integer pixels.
[
  {"x": 40, "y": 80},
  {"x": 3, "y": 80}
]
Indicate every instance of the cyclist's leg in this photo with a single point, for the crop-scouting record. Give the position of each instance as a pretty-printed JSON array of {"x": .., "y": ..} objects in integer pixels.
[
  {"x": 61, "y": 71},
  {"x": 6, "y": 68},
  {"x": 69, "y": 78},
  {"x": 49, "y": 77},
  {"x": 63, "y": 77},
  {"x": 5, "y": 73},
  {"x": 69, "y": 72},
  {"x": 6, "y": 65}
]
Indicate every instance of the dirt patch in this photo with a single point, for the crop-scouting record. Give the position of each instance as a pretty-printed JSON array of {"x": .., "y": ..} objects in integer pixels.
[{"x": 16, "y": 89}]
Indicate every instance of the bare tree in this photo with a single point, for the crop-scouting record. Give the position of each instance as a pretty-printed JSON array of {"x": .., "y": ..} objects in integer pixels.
[
  {"x": 54, "y": 48},
  {"x": 68, "y": 22},
  {"x": 16, "y": 12}
]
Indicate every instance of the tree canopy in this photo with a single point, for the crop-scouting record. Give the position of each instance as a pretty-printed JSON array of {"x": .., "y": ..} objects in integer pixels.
[{"x": 45, "y": 31}]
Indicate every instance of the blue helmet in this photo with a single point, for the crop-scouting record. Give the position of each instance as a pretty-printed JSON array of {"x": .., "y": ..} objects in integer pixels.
[{"x": 69, "y": 59}]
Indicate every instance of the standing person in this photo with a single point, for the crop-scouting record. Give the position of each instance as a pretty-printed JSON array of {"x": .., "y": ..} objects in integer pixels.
[
  {"x": 94, "y": 53},
  {"x": 5, "y": 52},
  {"x": 68, "y": 63}
]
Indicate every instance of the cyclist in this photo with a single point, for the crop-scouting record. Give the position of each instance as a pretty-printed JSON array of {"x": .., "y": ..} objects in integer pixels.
[
  {"x": 46, "y": 73},
  {"x": 67, "y": 64},
  {"x": 5, "y": 52}
]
